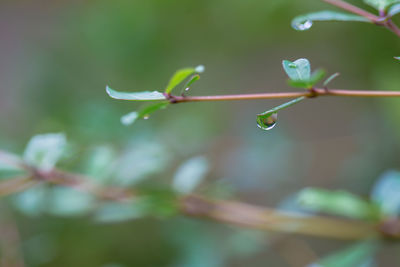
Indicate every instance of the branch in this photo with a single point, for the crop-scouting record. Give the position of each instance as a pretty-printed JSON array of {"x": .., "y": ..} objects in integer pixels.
[
  {"x": 229, "y": 212},
  {"x": 312, "y": 93},
  {"x": 381, "y": 20}
]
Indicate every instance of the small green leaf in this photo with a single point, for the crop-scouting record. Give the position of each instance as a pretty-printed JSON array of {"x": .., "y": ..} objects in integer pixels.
[
  {"x": 338, "y": 203},
  {"x": 180, "y": 76},
  {"x": 299, "y": 70},
  {"x": 381, "y": 4},
  {"x": 394, "y": 10},
  {"x": 385, "y": 193},
  {"x": 190, "y": 174},
  {"x": 135, "y": 96},
  {"x": 44, "y": 151},
  {"x": 398, "y": 58},
  {"x": 304, "y": 22},
  {"x": 360, "y": 254},
  {"x": 64, "y": 201},
  {"x": 267, "y": 120},
  {"x": 315, "y": 77},
  {"x": 10, "y": 162},
  {"x": 144, "y": 113},
  {"x": 118, "y": 212},
  {"x": 331, "y": 78}
]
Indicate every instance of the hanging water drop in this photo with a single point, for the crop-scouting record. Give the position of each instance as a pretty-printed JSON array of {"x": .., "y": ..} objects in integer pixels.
[
  {"x": 303, "y": 25},
  {"x": 146, "y": 117},
  {"x": 267, "y": 122},
  {"x": 187, "y": 89}
]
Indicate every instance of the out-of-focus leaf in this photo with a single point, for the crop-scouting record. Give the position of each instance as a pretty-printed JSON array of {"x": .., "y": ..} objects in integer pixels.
[
  {"x": 64, "y": 201},
  {"x": 304, "y": 22},
  {"x": 190, "y": 174},
  {"x": 394, "y": 10},
  {"x": 118, "y": 212},
  {"x": 9, "y": 162},
  {"x": 381, "y": 4},
  {"x": 157, "y": 202},
  {"x": 337, "y": 202},
  {"x": 299, "y": 70},
  {"x": 191, "y": 81},
  {"x": 99, "y": 163},
  {"x": 144, "y": 113},
  {"x": 398, "y": 58},
  {"x": 140, "y": 160},
  {"x": 360, "y": 254},
  {"x": 385, "y": 193},
  {"x": 32, "y": 201},
  {"x": 247, "y": 242},
  {"x": 181, "y": 75},
  {"x": 309, "y": 83},
  {"x": 135, "y": 96},
  {"x": 44, "y": 151},
  {"x": 267, "y": 120}
]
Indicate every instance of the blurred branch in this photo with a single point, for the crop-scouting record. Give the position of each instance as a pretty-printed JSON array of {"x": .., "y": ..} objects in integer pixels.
[
  {"x": 229, "y": 212},
  {"x": 310, "y": 94}
]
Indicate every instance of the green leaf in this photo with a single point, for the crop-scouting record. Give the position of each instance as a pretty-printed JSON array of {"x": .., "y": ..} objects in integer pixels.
[
  {"x": 394, "y": 10},
  {"x": 44, "y": 151},
  {"x": 118, "y": 212},
  {"x": 135, "y": 96},
  {"x": 267, "y": 120},
  {"x": 337, "y": 202},
  {"x": 10, "y": 162},
  {"x": 32, "y": 201},
  {"x": 190, "y": 174},
  {"x": 304, "y": 22},
  {"x": 144, "y": 113},
  {"x": 381, "y": 4},
  {"x": 299, "y": 70},
  {"x": 398, "y": 58},
  {"x": 360, "y": 254},
  {"x": 64, "y": 201},
  {"x": 385, "y": 193},
  {"x": 180, "y": 76},
  {"x": 191, "y": 81},
  {"x": 315, "y": 77}
]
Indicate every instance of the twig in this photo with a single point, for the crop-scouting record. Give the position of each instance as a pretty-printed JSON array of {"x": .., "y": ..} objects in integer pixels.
[{"x": 315, "y": 92}]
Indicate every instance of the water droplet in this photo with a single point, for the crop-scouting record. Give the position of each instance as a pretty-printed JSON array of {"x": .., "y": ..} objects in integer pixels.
[
  {"x": 146, "y": 117},
  {"x": 187, "y": 88},
  {"x": 303, "y": 25},
  {"x": 292, "y": 65},
  {"x": 267, "y": 123}
]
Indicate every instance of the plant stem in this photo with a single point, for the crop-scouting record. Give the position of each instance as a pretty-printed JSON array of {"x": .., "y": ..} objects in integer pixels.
[
  {"x": 314, "y": 93},
  {"x": 353, "y": 9},
  {"x": 381, "y": 20}
]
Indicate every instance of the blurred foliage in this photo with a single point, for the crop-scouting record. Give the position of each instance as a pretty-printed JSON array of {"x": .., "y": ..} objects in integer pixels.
[{"x": 57, "y": 58}]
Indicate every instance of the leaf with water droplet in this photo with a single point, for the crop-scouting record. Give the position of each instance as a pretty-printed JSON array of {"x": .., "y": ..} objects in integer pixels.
[
  {"x": 135, "y": 96},
  {"x": 381, "y": 5},
  {"x": 181, "y": 75},
  {"x": 331, "y": 78},
  {"x": 191, "y": 81},
  {"x": 299, "y": 70},
  {"x": 304, "y": 22},
  {"x": 267, "y": 120},
  {"x": 143, "y": 113}
]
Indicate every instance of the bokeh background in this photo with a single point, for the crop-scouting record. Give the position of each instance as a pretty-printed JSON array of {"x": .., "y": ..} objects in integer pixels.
[{"x": 56, "y": 57}]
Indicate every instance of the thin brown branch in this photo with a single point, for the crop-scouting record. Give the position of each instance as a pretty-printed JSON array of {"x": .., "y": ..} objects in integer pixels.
[
  {"x": 353, "y": 9},
  {"x": 315, "y": 92}
]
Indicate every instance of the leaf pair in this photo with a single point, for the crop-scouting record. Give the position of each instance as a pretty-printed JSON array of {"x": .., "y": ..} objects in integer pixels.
[
  {"x": 300, "y": 75},
  {"x": 189, "y": 74}
]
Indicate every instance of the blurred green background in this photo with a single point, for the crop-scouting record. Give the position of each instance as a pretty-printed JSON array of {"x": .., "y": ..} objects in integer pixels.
[{"x": 58, "y": 56}]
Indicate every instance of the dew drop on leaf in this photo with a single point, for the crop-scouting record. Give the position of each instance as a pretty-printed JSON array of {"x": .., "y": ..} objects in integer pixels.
[
  {"x": 267, "y": 123},
  {"x": 146, "y": 117},
  {"x": 303, "y": 25}
]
